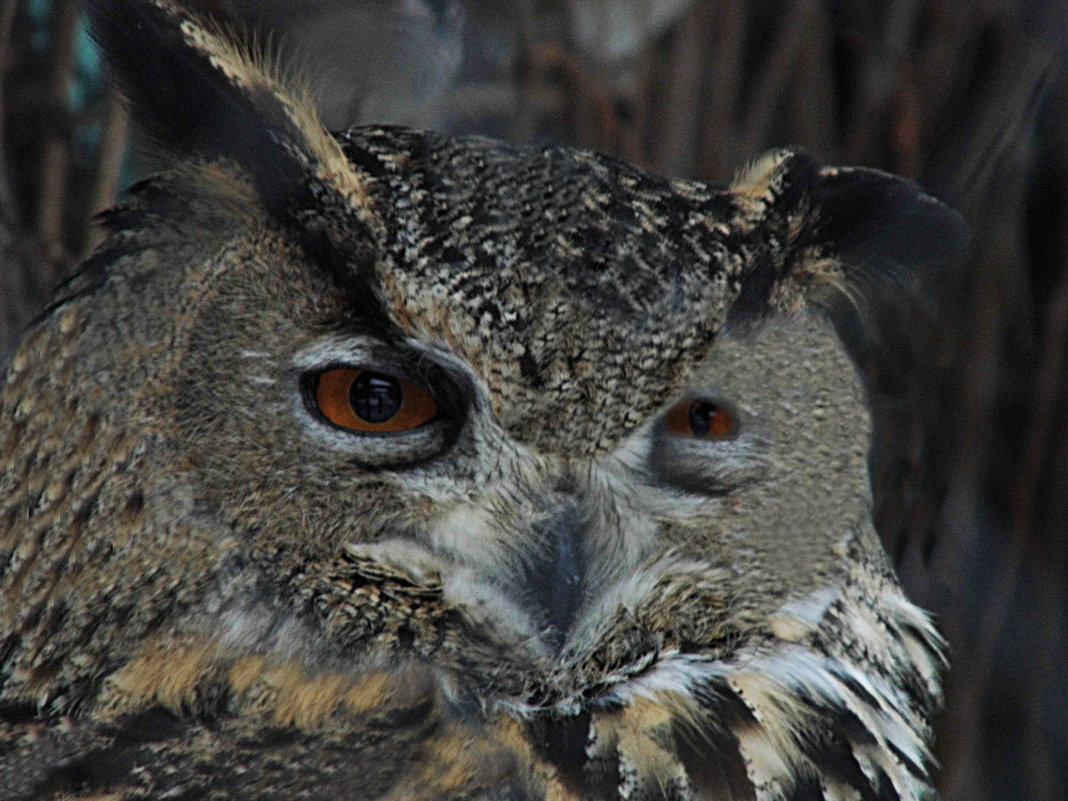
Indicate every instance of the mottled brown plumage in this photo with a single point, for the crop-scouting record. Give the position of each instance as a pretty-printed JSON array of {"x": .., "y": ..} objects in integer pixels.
[{"x": 547, "y": 589}]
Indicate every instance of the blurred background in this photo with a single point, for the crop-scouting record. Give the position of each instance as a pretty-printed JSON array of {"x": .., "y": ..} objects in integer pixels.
[{"x": 969, "y": 382}]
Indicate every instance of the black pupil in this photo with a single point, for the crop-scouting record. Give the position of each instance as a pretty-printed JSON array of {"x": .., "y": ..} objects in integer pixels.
[
  {"x": 375, "y": 397},
  {"x": 701, "y": 416}
]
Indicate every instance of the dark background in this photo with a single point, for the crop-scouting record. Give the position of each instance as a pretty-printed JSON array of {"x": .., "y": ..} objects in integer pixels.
[{"x": 968, "y": 97}]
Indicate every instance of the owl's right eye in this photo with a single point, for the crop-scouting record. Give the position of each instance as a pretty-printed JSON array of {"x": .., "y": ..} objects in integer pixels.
[{"x": 372, "y": 403}]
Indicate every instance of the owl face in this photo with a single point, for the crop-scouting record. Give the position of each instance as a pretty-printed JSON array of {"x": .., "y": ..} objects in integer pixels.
[{"x": 300, "y": 421}]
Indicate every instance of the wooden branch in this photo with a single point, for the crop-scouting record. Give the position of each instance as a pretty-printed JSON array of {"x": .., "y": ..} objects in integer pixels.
[
  {"x": 774, "y": 75},
  {"x": 881, "y": 78},
  {"x": 8, "y": 208},
  {"x": 717, "y": 145},
  {"x": 813, "y": 103},
  {"x": 113, "y": 142},
  {"x": 597, "y": 123},
  {"x": 673, "y": 150},
  {"x": 56, "y": 149}
]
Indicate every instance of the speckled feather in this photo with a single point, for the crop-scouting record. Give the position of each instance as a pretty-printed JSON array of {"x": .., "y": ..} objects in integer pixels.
[{"x": 207, "y": 590}]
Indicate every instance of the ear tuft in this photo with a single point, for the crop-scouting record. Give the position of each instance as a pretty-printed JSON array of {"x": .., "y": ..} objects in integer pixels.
[
  {"x": 205, "y": 98},
  {"x": 200, "y": 94},
  {"x": 834, "y": 229},
  {"x": 779, "y": 179},
  {"x": 880, "y": 221}
]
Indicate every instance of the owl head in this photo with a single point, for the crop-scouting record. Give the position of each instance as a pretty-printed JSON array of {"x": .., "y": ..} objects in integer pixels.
[{"x": 573, "y": 433}]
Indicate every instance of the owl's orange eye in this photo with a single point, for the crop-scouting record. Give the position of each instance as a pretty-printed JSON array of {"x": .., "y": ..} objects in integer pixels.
[
  {"x": 702, "y": 419},
  {"x": 373, "y": 403}
]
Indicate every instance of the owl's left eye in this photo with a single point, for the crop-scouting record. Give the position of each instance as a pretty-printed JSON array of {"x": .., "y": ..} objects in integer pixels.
[
  {"x": 372, "y": 403},
  {"x": 699, "y": 418}
]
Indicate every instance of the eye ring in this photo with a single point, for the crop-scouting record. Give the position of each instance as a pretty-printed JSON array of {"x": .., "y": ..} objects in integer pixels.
[
  {"x": 370, "y": 402},
  {"x": 703, "y": 419}
]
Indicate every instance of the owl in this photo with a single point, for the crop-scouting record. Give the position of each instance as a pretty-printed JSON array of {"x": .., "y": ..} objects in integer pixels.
[{"x": 393, "y": 465}]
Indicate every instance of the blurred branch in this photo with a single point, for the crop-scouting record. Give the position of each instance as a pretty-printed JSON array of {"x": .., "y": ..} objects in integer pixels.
[
  {"x": 18, "y": 260},
  {"x": 813, "y": 101},
  {"x": 112, "y": 149},
  {"x": 723, "y": 74},
  {"x": 778, "y": 68},
  {"x": 1039, "y": 453},
  {"x": 881, "y": 75},
  {"x": 8, "y": 9},
  {"x": 595, "y": 114},
  {"x": 974, "y": 657},
  {"x": 56, "y": 150},
  {"x": 673, "y": 152}
]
